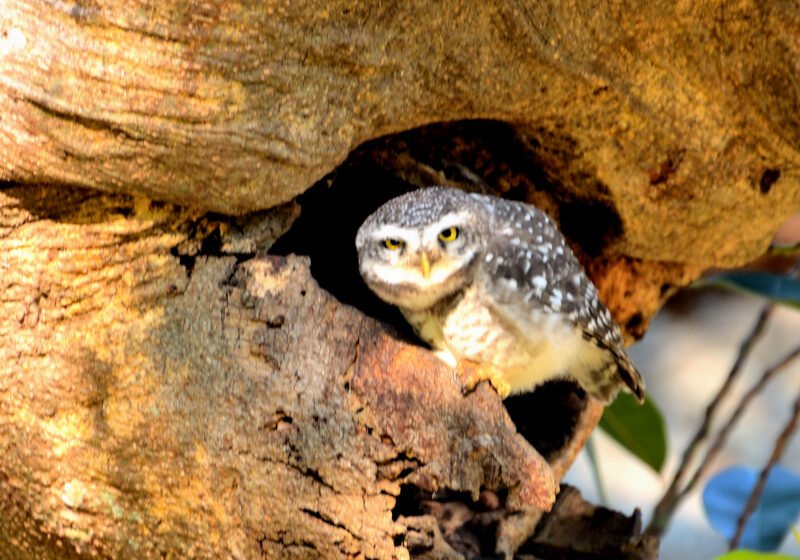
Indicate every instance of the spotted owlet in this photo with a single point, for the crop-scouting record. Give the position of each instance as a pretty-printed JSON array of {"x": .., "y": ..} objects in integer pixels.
[{"x": 492, "y": 286}]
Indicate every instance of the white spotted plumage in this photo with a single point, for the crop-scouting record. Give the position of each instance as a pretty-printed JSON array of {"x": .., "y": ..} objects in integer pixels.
[{"x": 506, "y": 291}]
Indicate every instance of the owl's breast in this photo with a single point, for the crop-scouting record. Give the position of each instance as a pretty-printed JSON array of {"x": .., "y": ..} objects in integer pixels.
[
  {"x": 527, "y": 352},
  {"x": 468, "y": 328},
  {"x": 473, "y": 330}
]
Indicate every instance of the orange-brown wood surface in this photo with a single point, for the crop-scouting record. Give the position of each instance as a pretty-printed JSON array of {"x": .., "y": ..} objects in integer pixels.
[{"x": 169, "y": 390}]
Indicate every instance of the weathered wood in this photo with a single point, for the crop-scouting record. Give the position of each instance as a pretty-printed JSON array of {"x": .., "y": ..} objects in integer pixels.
[
  {"x": 687, "y": 110},
  {"x": 164, "y": 397},
  {"x": 570, "y": 531},
  {"x": 166, "y": 393}
]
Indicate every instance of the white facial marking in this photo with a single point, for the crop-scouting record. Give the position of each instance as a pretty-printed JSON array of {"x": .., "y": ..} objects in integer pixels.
[
  {"x": 393, "y": 274},
  {"x": 389, "y": 231}
]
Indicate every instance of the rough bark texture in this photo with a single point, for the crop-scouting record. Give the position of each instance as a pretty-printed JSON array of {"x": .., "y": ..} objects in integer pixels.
[
  {"x": 660, "y": 108},
  {"x": 161, "y": 397},
  {"x": 167, "y": 391},
  {"x": 571, "y": 531}
]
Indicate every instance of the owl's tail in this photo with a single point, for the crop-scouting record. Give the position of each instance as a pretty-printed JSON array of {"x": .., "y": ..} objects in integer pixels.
[
  {"x": 620, "y": 373},
  {"x": 630, "y": 376}
]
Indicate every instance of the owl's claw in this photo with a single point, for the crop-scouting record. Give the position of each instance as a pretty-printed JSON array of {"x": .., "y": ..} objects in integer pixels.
[{"x": 469, "y": 374}]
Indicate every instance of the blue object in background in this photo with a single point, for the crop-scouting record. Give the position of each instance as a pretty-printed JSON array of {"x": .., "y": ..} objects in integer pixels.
[{"x": 726, "y": 494}]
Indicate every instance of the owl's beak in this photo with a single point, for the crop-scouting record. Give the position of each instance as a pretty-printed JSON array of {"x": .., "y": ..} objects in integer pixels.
[{"x": 425, "y": 264}]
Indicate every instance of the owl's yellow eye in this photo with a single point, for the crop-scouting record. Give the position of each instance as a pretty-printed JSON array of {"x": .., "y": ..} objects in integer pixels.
[
  {"x": 449, "y": 234},
  {"x": 393, "y": 244}
]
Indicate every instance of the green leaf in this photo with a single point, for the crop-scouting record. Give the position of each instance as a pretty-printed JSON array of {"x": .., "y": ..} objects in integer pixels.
[
  {"x": 776, "y": 287},
  {"x": 783, "y": 250},
  {"x": 638, "y": 428},
  {"x": 751, "y": 555}
]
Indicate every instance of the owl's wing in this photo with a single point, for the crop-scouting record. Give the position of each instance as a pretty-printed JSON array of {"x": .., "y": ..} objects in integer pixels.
[
  {"x": 528, "y": 263},
  {"x": 621, "y": 368}
]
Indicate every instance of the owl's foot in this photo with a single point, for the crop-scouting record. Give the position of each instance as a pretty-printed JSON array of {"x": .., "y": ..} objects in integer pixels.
[{"x": 471, "y": 373}]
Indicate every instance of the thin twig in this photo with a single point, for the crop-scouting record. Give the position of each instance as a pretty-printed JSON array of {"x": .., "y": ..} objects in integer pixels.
[
  {"x": 777, "y": 453},
  {"x": 664, "y": 510},
  {"x": 722, "y": 435}
]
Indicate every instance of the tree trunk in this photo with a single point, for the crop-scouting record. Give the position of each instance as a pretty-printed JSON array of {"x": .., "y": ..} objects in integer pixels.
[
  {"x": 169, "y": 389},
  {"x": 660, "y": 107},
  {"x": 161, "y": 399}
]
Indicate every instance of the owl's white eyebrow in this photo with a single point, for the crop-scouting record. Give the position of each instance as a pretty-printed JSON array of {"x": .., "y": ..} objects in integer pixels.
[
  {"x": 389, "y": 231},
  {"x": 446, "y": 221}
]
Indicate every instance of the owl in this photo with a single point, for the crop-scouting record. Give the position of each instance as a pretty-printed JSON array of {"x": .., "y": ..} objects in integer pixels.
[{"x": 493, "y": 288}]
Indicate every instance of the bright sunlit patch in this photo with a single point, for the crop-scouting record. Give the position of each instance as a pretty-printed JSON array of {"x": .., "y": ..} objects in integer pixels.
[{"x": 14, "y": 40}]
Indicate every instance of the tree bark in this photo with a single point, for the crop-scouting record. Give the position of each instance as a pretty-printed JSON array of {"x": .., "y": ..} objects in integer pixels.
[
  {"x": 159, "y": 399},
  {"x": 661, "y": 108},
  {"x": 170, "y": 390}
]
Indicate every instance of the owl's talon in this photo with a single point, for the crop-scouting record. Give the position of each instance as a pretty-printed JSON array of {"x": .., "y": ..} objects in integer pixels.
[{"x": 469, "y": 374}]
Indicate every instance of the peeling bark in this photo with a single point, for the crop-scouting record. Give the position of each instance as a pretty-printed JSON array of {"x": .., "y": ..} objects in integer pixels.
[
  {"x": 169, "y": 390},
  {"x": 214, "y": 405}
]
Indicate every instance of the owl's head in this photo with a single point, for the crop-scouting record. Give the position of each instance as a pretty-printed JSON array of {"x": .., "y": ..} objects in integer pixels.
[{"x": 420, "y": 247}]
